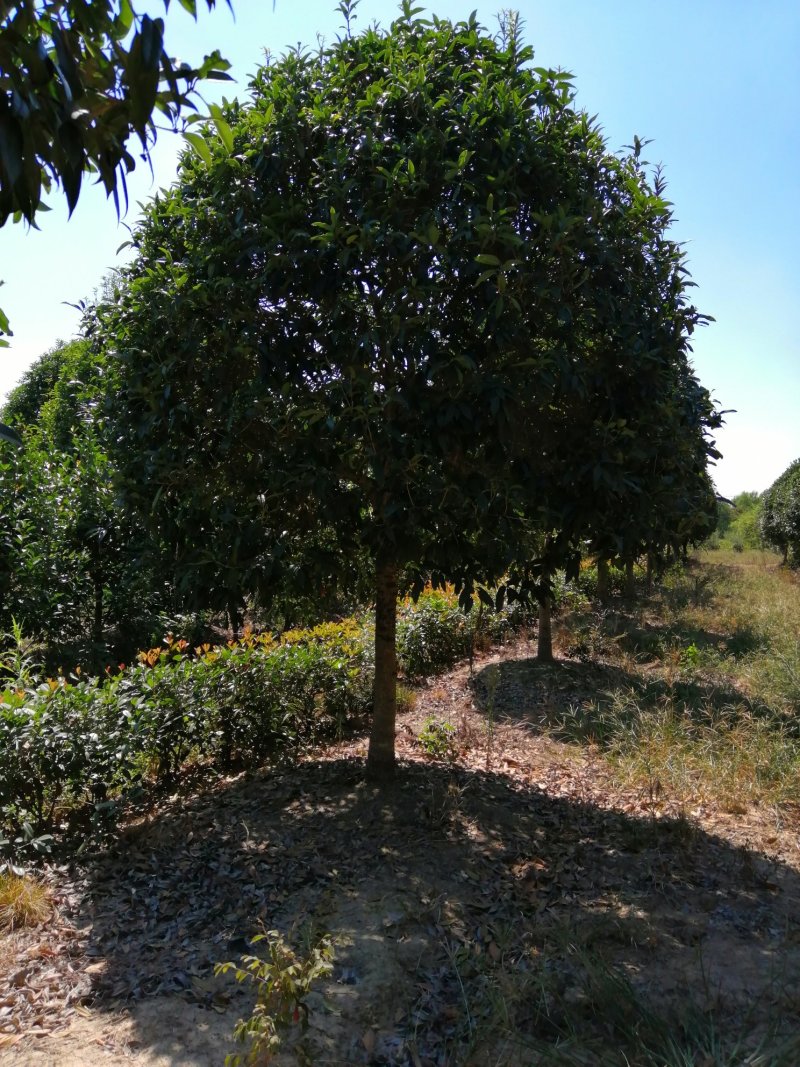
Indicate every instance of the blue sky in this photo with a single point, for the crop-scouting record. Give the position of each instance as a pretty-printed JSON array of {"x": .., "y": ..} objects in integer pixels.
[{"x": 715, "y": 84}]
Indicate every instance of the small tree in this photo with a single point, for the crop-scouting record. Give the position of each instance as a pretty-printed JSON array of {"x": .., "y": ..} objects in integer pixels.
[{"x": 74, "y": 571}]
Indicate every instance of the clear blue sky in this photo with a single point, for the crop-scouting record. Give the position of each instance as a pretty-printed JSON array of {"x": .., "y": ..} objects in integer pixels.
[{"x": 714, "y": 83}]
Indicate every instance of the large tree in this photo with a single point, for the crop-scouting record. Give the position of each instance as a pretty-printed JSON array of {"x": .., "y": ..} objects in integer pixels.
[{"x": 374, "y": 309}]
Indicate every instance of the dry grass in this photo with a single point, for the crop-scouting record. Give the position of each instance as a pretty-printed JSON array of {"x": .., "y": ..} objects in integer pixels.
[
  {"x": 23, "y": 901},
  {"x": 406, "y": 700}
]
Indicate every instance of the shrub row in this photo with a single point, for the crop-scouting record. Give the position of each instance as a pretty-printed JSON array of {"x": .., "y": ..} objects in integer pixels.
[
  {"x": 433, "y": 633},
  {"x": 69, "y": 742}
]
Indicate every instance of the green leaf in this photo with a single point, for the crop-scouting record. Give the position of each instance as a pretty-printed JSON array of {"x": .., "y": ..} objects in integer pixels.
[
  {"x": 198, "y": 143},
  {"x": 223, "y": 129}
]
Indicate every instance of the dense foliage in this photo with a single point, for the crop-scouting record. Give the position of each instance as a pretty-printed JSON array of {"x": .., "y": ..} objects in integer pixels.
[
  {"x": 780, "y": 513},
  {"x": 78, "y": 744},
  {"x": 76, "y": 573},
  {"x": 409, "y": 312},
  {"x": 738, "y": 523}
]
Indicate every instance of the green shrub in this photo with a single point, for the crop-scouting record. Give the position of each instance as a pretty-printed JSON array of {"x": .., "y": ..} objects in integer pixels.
[
  {"x": 66, "y": 742},
  {"x": 85, "y": 743},
  {"x": 434, "y": 633},
  {"x": 438, "y": 738}
]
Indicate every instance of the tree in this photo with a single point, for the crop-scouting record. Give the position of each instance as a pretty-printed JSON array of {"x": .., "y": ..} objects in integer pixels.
[
  {"x": 743, "y": 528},
  {"x": 628, "y": 462},
  {"x": 372, "y": 310},
  {"x": 77, "y": 81},
  {"x": 780, "y": 513},
  {"x": 75, "y": 573}
]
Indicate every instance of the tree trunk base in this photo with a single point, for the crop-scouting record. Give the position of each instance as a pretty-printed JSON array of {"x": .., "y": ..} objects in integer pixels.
[
  {"x": 544, "y": 646},
  {"x": 381, "y": 760}
]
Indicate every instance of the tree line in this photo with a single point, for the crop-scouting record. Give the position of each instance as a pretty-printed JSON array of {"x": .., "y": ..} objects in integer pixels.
[{"x": 403, "y": 318}]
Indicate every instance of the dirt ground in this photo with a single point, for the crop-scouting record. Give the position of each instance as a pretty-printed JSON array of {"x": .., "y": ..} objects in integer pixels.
[{"x": 481, "y": 908}]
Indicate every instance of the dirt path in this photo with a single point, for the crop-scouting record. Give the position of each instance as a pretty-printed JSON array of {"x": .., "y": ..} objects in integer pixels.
[{"x": 481, "y": 909}]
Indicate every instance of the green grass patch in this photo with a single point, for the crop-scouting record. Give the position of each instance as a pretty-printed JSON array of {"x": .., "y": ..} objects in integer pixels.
[{"x": 715, "y": 715}]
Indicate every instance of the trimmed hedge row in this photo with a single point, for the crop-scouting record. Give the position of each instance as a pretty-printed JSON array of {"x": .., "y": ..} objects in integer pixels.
[{"x": 66, "y": 743}]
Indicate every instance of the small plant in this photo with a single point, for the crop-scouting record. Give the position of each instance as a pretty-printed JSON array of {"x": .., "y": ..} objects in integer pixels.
[
  {"x": 283, "y": 981},
  {"x": 692, "y": 656},
  {"x": 23, "y": 901},
  {"x": 438, "y": 738},
  {"x": 18, "y": 661}
]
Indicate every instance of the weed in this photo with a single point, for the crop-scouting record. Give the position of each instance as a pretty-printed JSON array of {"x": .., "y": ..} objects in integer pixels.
[
  {"x": 437, "y": 738},
  {"x": 692, "y": 656},
  {"x": 283, "y": 981},
  {"x": 441, "y": 805},
  {"x": 493, "y": 682}
]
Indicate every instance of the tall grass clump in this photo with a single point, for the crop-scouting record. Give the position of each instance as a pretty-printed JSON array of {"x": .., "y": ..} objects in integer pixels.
[{"x": 24, "y": 901}]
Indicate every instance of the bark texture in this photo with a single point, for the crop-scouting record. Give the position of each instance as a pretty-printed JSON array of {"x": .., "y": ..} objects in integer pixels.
[
  {"x": 603, "y": 581},
  {"x": 381, "y": 757},
  {"x": 544, "y": 647},
  {"x": 630, "y": 584}
]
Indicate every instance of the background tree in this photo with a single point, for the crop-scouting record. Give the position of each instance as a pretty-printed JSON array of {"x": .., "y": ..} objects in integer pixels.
[
  {"x": 75, "y": 572},
  {"x": 739, "y": 522},
  {"x": 371, "y": 311},
  {"x": 780, "y": 514}
]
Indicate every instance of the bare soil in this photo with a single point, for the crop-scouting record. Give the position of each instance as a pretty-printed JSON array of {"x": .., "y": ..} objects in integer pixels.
[{"x": 478, "y": 905}]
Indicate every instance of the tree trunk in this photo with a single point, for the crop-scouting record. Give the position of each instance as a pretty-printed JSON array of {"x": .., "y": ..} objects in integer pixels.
[
  {"x": 649, "y": 574},
  {"x": 630, "y": 584},
  {"x": 234, "y": 618},
  {"x": 97, "y": 622},
  {"x": 544, "y": 648},
  {"x": 603, "y": 581},
  {"x": 381, "y": 759}
]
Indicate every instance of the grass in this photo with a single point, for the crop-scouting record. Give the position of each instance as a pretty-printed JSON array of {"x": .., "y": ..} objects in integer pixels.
[
  {"x": 565, "y": 1004},
  {"x": 23, "y": 901},
  {"x": 406, "y": 700},
  {"x": 716, "y": 715}
]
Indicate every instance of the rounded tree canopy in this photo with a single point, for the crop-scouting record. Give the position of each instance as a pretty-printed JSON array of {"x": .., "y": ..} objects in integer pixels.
[{"x": 409, "y": 295}]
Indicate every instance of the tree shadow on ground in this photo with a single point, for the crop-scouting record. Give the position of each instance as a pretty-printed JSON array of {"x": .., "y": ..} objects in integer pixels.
[
  {"x": 649, "y": 640},
  {"x": 476, "y": 920},
  {"x": 571, "y": 700}
]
